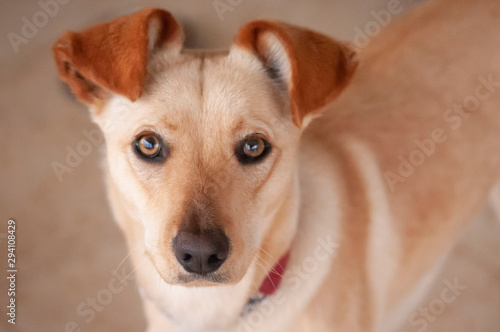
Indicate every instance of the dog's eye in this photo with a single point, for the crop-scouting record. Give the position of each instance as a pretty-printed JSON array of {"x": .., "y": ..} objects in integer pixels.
[
  {"x": 148, "y": 146},
  {"x": 252, "y": 149}
]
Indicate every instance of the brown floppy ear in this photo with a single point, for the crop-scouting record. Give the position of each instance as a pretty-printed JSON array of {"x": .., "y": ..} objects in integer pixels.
[
  {"x": 113, "y": 56},
  {"x": 314, "y": 67}
]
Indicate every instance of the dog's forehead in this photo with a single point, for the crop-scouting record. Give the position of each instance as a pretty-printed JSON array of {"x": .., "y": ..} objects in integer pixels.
[{"x": 211, "y": 93}]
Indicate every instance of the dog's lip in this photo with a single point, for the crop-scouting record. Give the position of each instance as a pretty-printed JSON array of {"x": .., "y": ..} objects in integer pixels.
[{"x": 197, "y": 280}]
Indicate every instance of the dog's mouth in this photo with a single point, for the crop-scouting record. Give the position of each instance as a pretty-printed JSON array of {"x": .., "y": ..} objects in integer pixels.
[{"x": 191, "y": 279}]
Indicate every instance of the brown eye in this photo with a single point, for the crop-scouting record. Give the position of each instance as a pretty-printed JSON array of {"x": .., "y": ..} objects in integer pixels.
[
  {"x": 252, "y": 149},
  {"x": 148, "y": 145}
]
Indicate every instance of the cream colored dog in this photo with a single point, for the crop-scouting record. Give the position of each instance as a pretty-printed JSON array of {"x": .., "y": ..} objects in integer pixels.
[{"x": 252, "y": 202}]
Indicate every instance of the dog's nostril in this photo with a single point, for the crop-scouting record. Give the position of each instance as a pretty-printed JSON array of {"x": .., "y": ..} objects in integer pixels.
[
  {"x": 213, "y": 259},
  {"x": 187, "y": 258}
]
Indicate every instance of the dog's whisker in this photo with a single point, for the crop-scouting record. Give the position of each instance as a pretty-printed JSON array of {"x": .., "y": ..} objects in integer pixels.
[
  {"x": 274, "y": 259},
  {"x": 264, "y": 269},
  {"x": 273, "y": 269},
  {"x": 124, "y": 259},
  {"x": 272, "y": 282},
  {"x": 267, "y": 271},
  {"x": 268, "y": 267},
  {"x": 255, "y": 285}
]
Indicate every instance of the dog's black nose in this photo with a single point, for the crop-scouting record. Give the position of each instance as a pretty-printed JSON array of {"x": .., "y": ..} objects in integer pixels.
[{"x": 201, "y": 252}]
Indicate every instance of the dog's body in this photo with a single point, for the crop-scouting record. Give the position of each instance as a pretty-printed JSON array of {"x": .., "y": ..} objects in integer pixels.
[{"x": 366, "y": 211}]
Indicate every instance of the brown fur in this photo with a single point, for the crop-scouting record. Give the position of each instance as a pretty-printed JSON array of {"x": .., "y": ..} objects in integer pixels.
[
  {"x": 112, "y": 55},
  {"x": 324, "y": 178},
  {"x": 321, "y": 67}
]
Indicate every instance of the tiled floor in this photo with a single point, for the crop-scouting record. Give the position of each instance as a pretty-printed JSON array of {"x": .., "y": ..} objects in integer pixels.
[{"x": 68, "y": 245}]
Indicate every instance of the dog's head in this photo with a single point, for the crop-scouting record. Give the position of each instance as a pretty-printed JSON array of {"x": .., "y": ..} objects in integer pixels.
[{"x": 201, "y": 147}]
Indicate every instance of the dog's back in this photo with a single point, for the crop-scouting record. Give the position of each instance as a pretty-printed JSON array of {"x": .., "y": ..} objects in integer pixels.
[{"x": 417, "y": 134}]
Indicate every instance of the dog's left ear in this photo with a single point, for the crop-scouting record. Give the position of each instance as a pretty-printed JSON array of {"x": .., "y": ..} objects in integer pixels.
[
  {"x": 113, "y": 56},
  {"x": 314, "y": 67}
]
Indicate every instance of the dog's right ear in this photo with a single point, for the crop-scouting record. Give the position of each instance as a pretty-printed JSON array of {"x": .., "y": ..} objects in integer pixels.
[{"x": 113, "y": 56}]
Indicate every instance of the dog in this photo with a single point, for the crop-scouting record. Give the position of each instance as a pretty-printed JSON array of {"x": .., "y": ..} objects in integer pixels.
[{"x": 292, "y": 183}]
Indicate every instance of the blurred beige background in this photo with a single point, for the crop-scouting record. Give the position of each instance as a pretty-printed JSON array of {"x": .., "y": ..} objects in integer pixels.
[{"x": 68, "y": 244}]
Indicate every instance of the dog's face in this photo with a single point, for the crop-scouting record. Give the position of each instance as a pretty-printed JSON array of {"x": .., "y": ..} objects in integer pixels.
[
  {"x": 201, "y": 148},
  {"x": 208, "y": 149}
]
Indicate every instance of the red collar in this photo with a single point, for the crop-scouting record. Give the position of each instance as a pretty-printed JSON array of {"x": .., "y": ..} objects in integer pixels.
[
  {"x": 273, "y": 280},
  {"x": 269, "y": 286}
]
